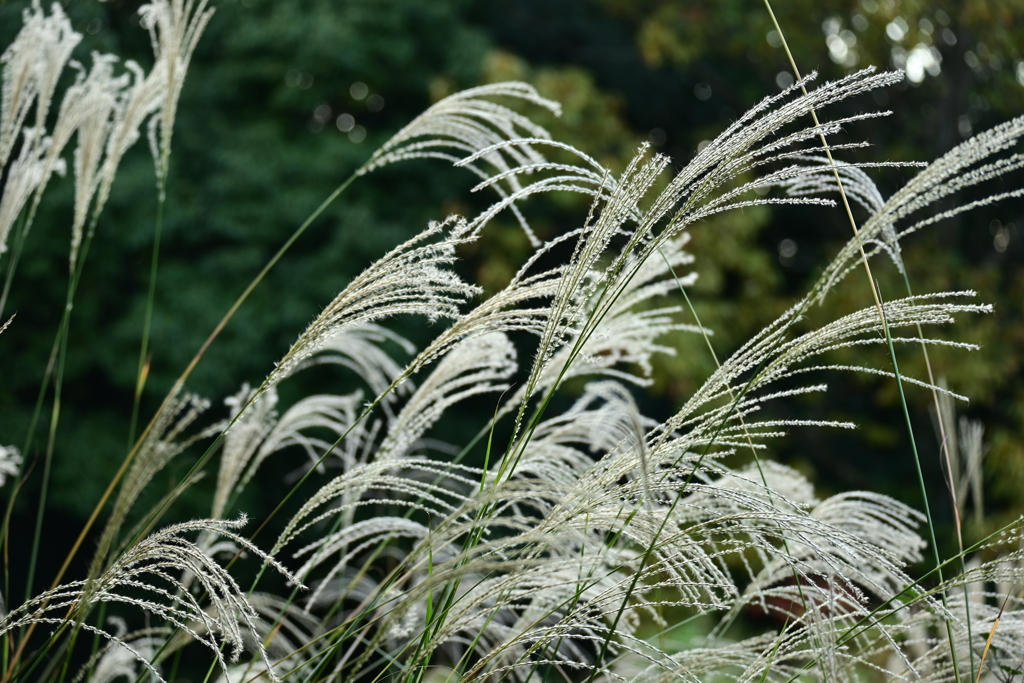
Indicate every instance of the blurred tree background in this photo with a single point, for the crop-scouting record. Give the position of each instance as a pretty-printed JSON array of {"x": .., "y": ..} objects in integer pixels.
[{"x": 284, "y": 100}]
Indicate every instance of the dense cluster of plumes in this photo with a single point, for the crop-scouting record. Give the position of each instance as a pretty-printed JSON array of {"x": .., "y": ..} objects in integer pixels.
[
  {"x": 559, "y": 552},
  {"x": 105, "y": 110}
]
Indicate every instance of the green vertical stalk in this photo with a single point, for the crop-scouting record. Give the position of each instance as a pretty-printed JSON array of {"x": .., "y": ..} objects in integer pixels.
[
  {"x": 192, "y": 365},
  {"x": 140, "y": 374},
  {"x": 19, "y": 243},
  {"x": 57, "y": 357},
  {"x": 876, "y": 293},
  {"x": 924, "y": 490},
  {"x": 944, "y": 451}
]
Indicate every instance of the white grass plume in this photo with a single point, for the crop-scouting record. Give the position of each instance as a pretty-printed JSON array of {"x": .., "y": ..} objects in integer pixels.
[
  {"x": 88, "y": 109},
  {"x": 31, "y": 66},
  {"x": 162, "y": 444},
  {"x": 28, "y": 173},
  {"x": 10, "y": 463},
  {"x": 631, "y": 328},
  {"x": 772, "y": 356},
  {"x": 258, "y": 433},
  {"x": 972, "y": 162},
  {"x": 360, "y": 349},
  {"x": 144, "y": 577},
  {"x": 708, "y": 185},
  {"x": 138, "y": 101},
  {"x": 858, "y": 186},
  {"x": 476, "y": 366},
  {"x": 468, "y": 127},
  {"x": 578, "y": 282},
  {"x": 518, "y": 307},
  {"x": 966, "y": 449},
  {"x": 175, "y": 27},
  {"x": 412, "y": 278},
  {"x": 121, "y": 657}
]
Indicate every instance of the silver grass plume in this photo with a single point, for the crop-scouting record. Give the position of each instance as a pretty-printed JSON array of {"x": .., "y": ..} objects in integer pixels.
[
  {"x": 752, "y": 142},
  {"x": 416, "y": 478},
  {"x": 163, "y": 443},
  {"x": 416, "y": 484},
  {"x": 31, "y": 66},
  {"x": 121, "y": 657},
  {"x": 242, "y": 438},
  {"x": 244, "y": 673},
  {"x": 605, "y": 418},
  {"x": 412, "y": 278},
  {"x": 10, "y": 463},
  {"x": 88, "y": 109},
  {"x": 138, "y": 101},
  {"x": 360, "y": 349},
  {"x": 732, "y": 511},
  {"x": 880, "y": 539},
  {"x": 972, "y": 162},
  {"x": 284, "y": 628},
  {"x": 964, "y": 444},
  {"x": 144, "y": 577},
  {"x": 478, "y": 365},
  {"x": 992, "y": 629},
  {"x": 626, "y": 336},
  {"x": 28, "y": 173},
  {"x": 703, "y": 188},
  {"x": 258, "y": 432},
  {"x": 858, "y": 186},
  {"x": 843, "y": 548},
  {"x": 102, "y": 109},
  {"x": 465, "y": 128},
  {"x": 577, "y": 281},
  {"x": 464, "y": 122},
  {"x": 774, "y": 356},
  {"x": 175, "y": 27},
  {"x": 283, "y": 638},
  {"x": 712, "y": 182},
  {"x": 517, "y": 307}
]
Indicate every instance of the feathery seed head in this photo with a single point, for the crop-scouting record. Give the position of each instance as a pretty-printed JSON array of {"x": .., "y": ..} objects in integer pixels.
[
  {"x": 412, "y": 278},
  {"x": 31, "y": 66},
  {"x": 175, "y": 27},
  {"x": 10, "y": 463}
]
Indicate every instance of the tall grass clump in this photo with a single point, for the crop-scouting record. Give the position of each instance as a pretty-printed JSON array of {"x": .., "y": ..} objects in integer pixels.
[{"x": 574, "y": 536}]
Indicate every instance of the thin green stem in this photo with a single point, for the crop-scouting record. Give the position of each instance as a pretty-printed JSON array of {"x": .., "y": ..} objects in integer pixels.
[
  {"x": 920, "y": 480},
  {"x": 944, "y": 452},
  {"x": 877, "y": 295},
  {"x": 58, "y": 357},
  {"x": 19, "y": 243},
  {"x": 180, "y": 382},
  {"x": 140, "y": 374},
  {"x": 876, "y": 615},
  {"x": 191, "y": 366}
]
